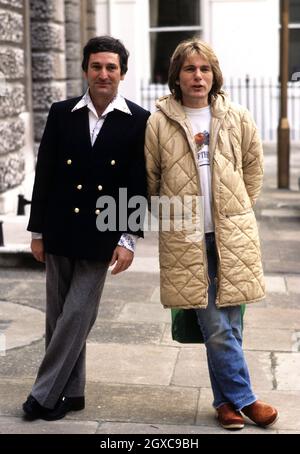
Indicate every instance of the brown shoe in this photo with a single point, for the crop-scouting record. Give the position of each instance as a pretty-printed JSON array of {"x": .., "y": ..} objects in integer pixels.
[
  {"x": 262, "y": 414},
  {"x": 229, "y": 418}
]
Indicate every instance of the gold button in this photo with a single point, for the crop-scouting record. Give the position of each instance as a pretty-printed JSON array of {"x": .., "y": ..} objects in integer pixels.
[
  {"x": 100, "y": 187},
  {"x": 97, "y": 212},
  {"x": 76, "y": 210},
  {"x": 79, "y": 186},
  {"x": 69, "y": 162},
  {"x": 113, "y": 162}
]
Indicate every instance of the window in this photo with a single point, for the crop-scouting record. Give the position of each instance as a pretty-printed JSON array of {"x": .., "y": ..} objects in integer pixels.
[
  {"x": 171, "y": 21},
  {"x": 295, "y": 11},
  {"x": 294, "y": 32}
]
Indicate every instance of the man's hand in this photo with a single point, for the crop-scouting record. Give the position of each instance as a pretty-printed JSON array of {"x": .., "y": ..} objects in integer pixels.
[
  {"x": 123, "y": 257},
  {"x": 38, "y": 251}
]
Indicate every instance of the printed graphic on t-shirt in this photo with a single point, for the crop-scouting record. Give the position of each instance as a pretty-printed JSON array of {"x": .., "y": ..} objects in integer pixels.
[{"x": 202, "y": 142}]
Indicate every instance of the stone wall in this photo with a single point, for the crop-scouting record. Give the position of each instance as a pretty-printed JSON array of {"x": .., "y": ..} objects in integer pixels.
[
  {"x": 91, "y": 18},
  {"x": 47, "y": 20},
  {"x": 40, "y": 63},
  {"x": 12, "y": 93},
  {"x": 73, "y": 47}
]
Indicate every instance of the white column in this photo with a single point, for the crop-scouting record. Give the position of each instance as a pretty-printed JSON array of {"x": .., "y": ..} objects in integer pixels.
[
  {"x": 102, "y": 17},
  {"x": 128, "y": 20}
]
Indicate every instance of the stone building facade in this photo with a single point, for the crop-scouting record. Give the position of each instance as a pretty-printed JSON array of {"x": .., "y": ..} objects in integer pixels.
[{"x": 40, "y": 62}]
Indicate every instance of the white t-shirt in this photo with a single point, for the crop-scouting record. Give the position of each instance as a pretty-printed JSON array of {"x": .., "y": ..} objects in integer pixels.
[{"x": 200, "y": 122}]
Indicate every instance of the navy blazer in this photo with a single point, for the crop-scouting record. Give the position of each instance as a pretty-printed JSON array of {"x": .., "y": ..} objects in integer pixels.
[{"x": 71, "y": 174}]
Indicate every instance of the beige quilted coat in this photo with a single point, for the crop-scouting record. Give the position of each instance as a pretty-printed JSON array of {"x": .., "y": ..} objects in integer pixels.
[{"x": 237, "y": 170}]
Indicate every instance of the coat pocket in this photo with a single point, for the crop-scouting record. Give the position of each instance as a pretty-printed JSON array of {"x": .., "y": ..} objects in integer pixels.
[{"x": 242, "y": 213}]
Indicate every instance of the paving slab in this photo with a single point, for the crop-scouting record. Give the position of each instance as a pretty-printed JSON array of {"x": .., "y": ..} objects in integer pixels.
[
  {"x": 293, "y": 283},
  {"x": 155, "y": 297},
  {"x": 145, "y": 265},
  {"x": 24, "y": 290},
  {"x": 263, "y": 339},
  {"x": 36, "y": 274},
  {"x": 13, "y": 425},
  {"x": 291, "y": 235},
  {"x": 144, "y": 312},
  {"x": 13, "y": 392},
  {"x": 136, "y": 364},
  {"x": 126, "y": 333},
  {"x": 109, "y": 309},
  {"x": 289, "y": 301},
  {"x": 138, "y": 294},
  {"x": 261, "y": 369},
  {"x": 191, "y": 368},
  {"x": 272, "y": 317},
  {"x": 288, "y": 371},
  {"x": 288, "y": 432},
  {"x": 139, "y": 404},
  {"x": 20, "y": 325},
  {"x": 296, "y": 341},
  {"x": 15, "y": 229},
  {"x": 269, "y": 250},
  {"x": 22, "y": 362},
  {"x": 132, "y": 280},
  {"x": 281, "y": 212},
  {"x": 275, "y": 284},
  {"x": 290, "y": 252},
  {"x": 159, "y": 429}
]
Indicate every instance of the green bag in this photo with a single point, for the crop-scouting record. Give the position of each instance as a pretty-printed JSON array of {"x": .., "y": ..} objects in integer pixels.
[{"x": 185, "y": 328}]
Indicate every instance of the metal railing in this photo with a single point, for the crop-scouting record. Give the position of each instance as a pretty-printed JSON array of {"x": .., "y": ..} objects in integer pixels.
[
  {"x": 22, "y": 202},
  {"x": 260, "y": 96}
]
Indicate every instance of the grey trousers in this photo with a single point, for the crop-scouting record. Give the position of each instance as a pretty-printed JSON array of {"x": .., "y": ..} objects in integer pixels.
[{"x": 73, "y": 291}]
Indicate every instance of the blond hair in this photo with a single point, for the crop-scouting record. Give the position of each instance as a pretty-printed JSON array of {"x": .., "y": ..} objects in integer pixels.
[{"x": 183, "y": 51}]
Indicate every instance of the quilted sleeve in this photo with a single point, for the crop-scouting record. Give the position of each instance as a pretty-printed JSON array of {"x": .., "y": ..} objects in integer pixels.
[
  {"x": 152, "y": 156},
  {"x": 252, "y": 152}
]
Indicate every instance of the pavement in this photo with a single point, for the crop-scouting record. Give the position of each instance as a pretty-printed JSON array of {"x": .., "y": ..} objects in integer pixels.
[{"x": 139, "y": 381}]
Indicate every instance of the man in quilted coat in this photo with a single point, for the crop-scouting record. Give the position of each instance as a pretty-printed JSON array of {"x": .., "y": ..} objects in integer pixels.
[{"x": 205, "y": 151}]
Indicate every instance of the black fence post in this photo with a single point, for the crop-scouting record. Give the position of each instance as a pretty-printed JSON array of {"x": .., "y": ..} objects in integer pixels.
[
  {"x": 22, "y": 202},
  {"x": 1, "y": 234},
  {"x": 247, "y": 80}
]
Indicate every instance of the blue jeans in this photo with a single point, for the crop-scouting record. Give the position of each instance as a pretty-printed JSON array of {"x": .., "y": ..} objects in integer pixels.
[{"x": 222, "y": 332}]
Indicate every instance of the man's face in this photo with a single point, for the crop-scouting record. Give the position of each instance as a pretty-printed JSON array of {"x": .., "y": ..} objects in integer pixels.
[
  {"x": 195, "y": 81},
  {"x": 104, "y": 74}
]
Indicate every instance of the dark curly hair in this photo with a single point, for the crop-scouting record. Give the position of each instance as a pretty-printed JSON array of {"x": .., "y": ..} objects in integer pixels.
[{"x": 105, "y": 44}]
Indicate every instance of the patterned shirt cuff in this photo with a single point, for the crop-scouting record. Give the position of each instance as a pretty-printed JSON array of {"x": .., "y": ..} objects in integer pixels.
[
  {"x": 36, "y": 236},
  {"x": 128, "y": 241}
]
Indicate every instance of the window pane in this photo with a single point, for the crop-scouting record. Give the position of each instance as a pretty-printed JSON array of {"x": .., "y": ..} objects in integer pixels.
[
  {"x": 294, "y": 11},
  {"x": 172, "y": 13},
  {"x": 163, "y": 45},
  {"x": 294, "y": 55}
]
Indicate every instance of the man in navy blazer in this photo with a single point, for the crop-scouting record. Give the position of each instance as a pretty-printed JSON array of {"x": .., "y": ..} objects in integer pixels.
[{"x": 92, "y": 146}]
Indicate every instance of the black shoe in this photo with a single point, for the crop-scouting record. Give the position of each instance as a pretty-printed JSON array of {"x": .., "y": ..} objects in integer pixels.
[
  {"x": 33, "y": 410},
  {"x": 64, "y": 405}
]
